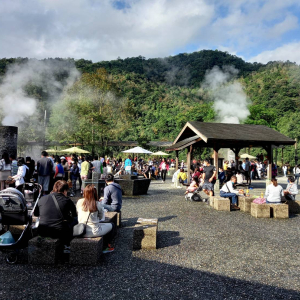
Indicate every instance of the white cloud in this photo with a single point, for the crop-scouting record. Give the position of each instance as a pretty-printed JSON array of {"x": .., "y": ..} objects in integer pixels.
[
  {"x": 286, "y": 52},
  {"x": 95, "y": 29}
]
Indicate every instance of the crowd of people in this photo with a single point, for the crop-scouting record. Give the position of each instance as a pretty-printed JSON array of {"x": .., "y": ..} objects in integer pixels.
[{"x": 56, "y": 211}]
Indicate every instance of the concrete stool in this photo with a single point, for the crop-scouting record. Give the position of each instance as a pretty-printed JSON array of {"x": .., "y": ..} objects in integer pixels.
[
  {"x": 86, "y": 251},
  {"x": 280, "y": 211},
  {"x": 211, "y": 201},
  {"x": 245, "y": 203},
  {"x": 145, "y": 234},
  {"x": 42, "y": 251},
  {"x": 119, "y": 219},
  {"x": 260, "y": 210},
  {"x": 294, "y": 206},
  {"x": 222, "y": 204},
  {"x": 111, "y": 217}
]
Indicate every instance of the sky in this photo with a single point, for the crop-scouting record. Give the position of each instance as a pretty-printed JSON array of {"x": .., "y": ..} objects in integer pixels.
[{"x": 99, "y": 30}]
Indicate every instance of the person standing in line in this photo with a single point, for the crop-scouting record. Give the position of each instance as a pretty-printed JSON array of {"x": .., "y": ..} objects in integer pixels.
[
  {"x": 297, "y": 173},
  {"x": 128, "y": 165},
  {"x": 164, "y": 167},
  {"x": 44, "y": 170},
  {"x": 97, "y": 166},
  {"x": 85, "y": 165},
  {"x": 284, "y": 169},
  {"x": 74, "y": 174},
  {"x": 14, "y": 165},
  {"x": 20, "y": 176},
  {"x": 247, "y": 170},
  {"x": 209, "y": 174}
]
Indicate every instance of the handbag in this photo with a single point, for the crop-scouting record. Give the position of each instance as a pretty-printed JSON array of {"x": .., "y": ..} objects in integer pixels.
[{"x": 80, "y": 229}]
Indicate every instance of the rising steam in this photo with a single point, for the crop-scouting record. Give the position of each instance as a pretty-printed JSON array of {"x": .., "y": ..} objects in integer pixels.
[
  {"x": 15, "y": 104},
  {"x": 230, "y": 100}
]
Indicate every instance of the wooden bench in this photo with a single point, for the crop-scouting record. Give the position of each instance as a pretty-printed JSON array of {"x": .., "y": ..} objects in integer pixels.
[
  {"x": 145, "y": 234},
  {"x": 222, "y": 204},
  {"x": 244, "y": 203},
  {"x": 278, "y": 211},
  {"x": 86, "y": 251}
]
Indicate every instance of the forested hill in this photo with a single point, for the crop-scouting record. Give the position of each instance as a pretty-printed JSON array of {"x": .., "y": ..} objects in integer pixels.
[
  {"x": 185, "y": 69},
  {"x": 151, "y": 99}
]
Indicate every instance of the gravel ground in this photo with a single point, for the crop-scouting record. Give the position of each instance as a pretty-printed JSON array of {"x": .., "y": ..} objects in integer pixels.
[{"x": 202, "y": 254}]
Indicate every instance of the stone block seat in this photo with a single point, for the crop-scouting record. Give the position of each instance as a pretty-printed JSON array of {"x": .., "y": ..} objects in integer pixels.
[
  {"x": 278, "y": 211},
  {"x": 145, "y": 234},
  {"x": 86, "y": 251},
  {"x": 244, "y": 203},
  {"x": 43, "y": 251},
  {"x": 222, "y": 204}
]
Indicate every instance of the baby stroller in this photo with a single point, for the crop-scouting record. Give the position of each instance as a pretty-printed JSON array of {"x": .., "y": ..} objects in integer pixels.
[
  {"x": 14, "y": 211},
  {"x": 195, "y": 196}
]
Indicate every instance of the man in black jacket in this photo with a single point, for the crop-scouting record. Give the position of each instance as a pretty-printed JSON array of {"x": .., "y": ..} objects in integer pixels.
[{"x": 57, "y": 215}]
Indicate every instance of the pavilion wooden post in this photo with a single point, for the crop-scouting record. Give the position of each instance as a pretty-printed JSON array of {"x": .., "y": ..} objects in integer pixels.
[
  {"x": 176, "y": 161},
  {"x": 270, "y": 160},
  {"x": 188, "y": 158},
  {"x": 216, "y": 164},
  {"x": 236, "y": 153}
]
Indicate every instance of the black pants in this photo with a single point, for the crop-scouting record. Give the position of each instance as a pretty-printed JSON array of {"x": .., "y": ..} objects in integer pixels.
[{"x": 163, "y": 175}]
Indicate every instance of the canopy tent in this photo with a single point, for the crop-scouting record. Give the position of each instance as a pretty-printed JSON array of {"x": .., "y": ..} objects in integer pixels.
[
  {"x": 158, "y": 153},
  {"x": 245, "y": 155},
  {"x": 137, "y": 150},
  {"x": 74, "y": 150}
]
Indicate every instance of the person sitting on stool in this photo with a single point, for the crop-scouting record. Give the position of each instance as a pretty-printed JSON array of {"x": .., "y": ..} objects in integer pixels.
[
  {"x": 112, "y": 199},
  {"x": 227, "y": 191}
]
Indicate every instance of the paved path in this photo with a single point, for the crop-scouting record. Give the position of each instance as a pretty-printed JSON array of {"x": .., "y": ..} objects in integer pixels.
[{"x": 202, "y": 254}]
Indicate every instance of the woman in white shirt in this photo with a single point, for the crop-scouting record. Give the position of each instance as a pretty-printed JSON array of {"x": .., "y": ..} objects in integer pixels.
[
  {"x": 91, "y": 212},
  {"x": 21, "y": 173},
  {"x": 274, "y": 192}
]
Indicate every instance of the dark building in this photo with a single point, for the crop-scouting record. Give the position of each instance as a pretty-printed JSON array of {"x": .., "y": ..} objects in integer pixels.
[{"x": 8, "y": 140}]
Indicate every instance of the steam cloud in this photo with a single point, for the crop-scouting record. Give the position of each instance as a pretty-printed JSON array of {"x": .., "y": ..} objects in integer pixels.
[
  {"x": 15, "y": 104},
  {"x": 230, "y": 100}
]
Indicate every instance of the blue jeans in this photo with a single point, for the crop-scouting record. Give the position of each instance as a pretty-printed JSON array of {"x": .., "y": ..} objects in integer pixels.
[
  {"x": 232, "y": 196},
  {"x": 108, "y": 207},
  {"x": 268, "y": 202}
]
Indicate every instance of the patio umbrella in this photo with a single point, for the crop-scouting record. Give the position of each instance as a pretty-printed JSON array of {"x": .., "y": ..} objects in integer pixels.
[
  {"x": 52, "y": 150},
  {"x": 160, "y": 153},
  {"x": 74, "y": 150},
  {"x": 137, "y": 150},
  {"x": 245, "y": 155}
]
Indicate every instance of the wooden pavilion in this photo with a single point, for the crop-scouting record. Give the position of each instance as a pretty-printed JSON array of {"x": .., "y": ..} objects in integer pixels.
[{"x": 234, "y": 136}]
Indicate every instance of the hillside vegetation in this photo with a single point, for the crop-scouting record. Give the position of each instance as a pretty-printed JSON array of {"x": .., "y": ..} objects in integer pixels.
[{"x": 151, "y": 99}]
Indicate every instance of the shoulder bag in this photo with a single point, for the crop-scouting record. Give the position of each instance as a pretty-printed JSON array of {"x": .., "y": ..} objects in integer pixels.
[{"x": 80, "y": 229}]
